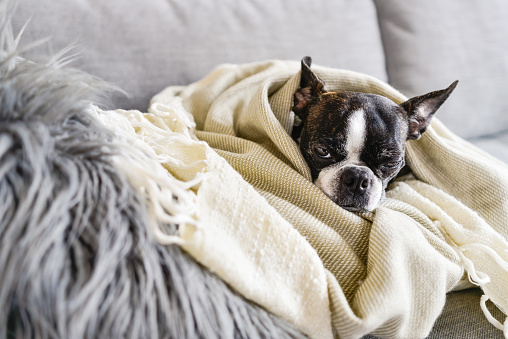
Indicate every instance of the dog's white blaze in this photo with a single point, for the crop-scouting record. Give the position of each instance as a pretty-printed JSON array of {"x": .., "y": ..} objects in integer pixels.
[{"x": 356, "y": 133}]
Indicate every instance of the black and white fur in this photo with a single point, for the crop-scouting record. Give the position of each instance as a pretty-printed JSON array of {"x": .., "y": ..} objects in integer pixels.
[{"x": 354, "y": 143}]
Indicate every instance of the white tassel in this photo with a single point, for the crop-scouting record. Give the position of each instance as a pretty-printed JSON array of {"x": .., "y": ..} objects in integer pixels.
[
  {"x": 491, "y": 319},
  {"x": 476, "y": 277},
  {"x": 143, "y": 161},
  {"x": 481, "y": 247}
]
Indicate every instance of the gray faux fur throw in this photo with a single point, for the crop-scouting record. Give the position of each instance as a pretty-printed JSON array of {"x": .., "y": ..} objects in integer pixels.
[{"x": 76, "y": 259}]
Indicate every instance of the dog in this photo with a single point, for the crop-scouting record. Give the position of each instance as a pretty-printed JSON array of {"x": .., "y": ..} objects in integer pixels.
[{"x": 354, "y": 143}]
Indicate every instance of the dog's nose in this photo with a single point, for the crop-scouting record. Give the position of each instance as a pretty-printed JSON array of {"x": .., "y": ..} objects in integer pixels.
[{"x": 357, "y": 181}]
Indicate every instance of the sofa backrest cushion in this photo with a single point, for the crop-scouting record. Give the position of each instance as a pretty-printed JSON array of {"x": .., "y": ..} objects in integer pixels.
[
  {"x": 429, "y": 44},
  {"x": 144, "y": 46}
]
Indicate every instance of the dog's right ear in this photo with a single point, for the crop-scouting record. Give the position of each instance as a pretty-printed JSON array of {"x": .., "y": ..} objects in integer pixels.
[
  {"x": 421, "y": 109},
  {"x": 310, "y": 87}
]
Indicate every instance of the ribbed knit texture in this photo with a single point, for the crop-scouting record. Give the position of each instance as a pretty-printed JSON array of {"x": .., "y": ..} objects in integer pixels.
[{"x": 266, "y": 229}]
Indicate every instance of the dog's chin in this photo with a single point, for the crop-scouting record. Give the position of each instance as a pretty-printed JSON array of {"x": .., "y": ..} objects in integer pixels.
[
  {"x": 358, "y": 206},
  {"x": 351, "y": 206},
  {"x": 356, "y": 209}
]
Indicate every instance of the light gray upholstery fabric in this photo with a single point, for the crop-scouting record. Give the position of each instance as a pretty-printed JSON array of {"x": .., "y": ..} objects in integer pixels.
[
  {"x": 428, "y": 44},
  {"x": 143, "y": 46},
  {"x": 463, "y": 318},
  {"x": 496, "y": 144}
]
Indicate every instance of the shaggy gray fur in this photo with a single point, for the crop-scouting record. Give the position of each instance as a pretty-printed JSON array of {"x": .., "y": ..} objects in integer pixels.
[{"x": 76, "y": 260}]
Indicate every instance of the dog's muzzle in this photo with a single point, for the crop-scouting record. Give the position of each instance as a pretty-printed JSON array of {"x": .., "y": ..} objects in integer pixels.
[{"x": 352, "y": 187}]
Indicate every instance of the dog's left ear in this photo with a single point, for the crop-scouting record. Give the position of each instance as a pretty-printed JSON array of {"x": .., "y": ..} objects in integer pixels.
[
  {"x": 421, "y": 109},
  {"x": 310, "y": 87}
]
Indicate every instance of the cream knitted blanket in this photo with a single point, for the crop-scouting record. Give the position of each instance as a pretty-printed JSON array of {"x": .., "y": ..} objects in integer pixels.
[{"x": 217, "y": 158}]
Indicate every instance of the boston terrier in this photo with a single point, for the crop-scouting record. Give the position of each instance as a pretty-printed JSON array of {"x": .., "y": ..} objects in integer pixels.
[{"x": 354, "y": 143}]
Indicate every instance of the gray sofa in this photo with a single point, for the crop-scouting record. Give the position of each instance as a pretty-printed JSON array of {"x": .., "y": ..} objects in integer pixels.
[{"x": 416, "y": 46}]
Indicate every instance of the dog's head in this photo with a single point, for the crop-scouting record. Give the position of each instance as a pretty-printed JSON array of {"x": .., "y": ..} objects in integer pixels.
[{"x": 354, "y": 143}]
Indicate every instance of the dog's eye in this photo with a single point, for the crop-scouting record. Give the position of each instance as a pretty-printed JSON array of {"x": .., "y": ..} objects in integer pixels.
[
  {"x": 322, "y": 152},
  {"x": 390, "y": 165}
]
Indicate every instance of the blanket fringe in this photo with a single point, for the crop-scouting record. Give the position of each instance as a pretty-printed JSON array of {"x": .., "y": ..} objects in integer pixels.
[
  {"x": 474, "y": 278},
  {"x": 170, "y": 200},
  {"x": 479, "y": 278},
  {"x": 503, "y": 327},
  {"x": 493, "y": 254}
]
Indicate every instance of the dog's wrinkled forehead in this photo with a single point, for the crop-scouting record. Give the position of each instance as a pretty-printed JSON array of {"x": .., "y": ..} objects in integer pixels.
[{"x": 357, "y": 115}]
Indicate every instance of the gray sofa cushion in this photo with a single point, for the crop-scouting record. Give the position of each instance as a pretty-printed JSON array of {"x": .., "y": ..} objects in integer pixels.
[
  {"x": 463, "y": 318},
  {"x": 496, "y": 144},
  {"x": 144, "y": 46},
  {"x": 429, "y": 44}
]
